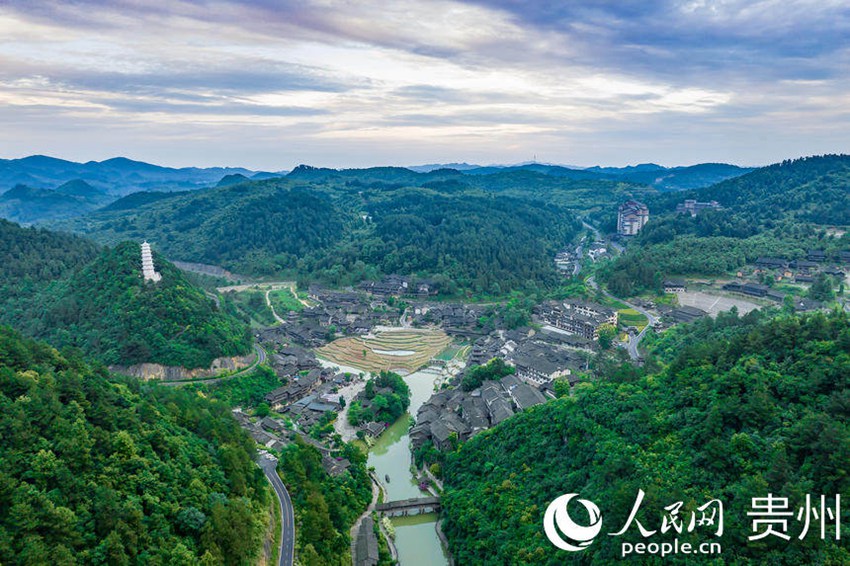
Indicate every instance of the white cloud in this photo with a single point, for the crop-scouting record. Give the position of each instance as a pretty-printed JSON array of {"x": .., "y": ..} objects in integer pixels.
[{"x": 416, "y": 75}]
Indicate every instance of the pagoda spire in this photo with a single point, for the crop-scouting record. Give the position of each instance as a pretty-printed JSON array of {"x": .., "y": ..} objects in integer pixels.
[{"x": 148, "y": 271}]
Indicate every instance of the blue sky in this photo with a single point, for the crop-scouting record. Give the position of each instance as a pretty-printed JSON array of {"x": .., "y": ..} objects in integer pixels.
[{"x": 268, "y": 85}]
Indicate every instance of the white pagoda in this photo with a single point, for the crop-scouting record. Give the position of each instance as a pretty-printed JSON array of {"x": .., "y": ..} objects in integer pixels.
[{"x": 148, "y": 270}]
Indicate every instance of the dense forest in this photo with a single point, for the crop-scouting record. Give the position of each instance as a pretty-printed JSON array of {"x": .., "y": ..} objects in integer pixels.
[
  {"x": 103, "y": 470},
  {"x": 342, "y": 228},
  {"x": 31, "y": 258},
  {"x": 325, "y": 507},
  {"x": 779, "y": 211},
  {"x": 107, "y": 310},
  {"x": 736, "y": 408}
]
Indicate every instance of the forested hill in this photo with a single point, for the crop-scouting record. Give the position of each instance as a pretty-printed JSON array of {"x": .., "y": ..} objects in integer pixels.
[
  {"x": 99, "y": 470},
  {"x": 341, "y": 229},
  {"x": 105, "y": 308},
  {"x": 748, "y": 407},
  {"x": 782, "y": 210},
  {"x": 810, "y": 189},
  {"x": 30, "y": 258}
]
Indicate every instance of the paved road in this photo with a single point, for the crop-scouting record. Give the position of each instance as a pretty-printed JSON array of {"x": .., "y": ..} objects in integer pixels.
[
  {"x": 271, "y": 306},
  {"x": 286, "y": 553},
  {"x": 592, "y": 229},
  {"x": 634, "y": 341}
]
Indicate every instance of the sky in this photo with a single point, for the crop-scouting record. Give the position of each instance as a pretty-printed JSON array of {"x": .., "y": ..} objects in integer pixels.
[{"x": 338, "y": 83}]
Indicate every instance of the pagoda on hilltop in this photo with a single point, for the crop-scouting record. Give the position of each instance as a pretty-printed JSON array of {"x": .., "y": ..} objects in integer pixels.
[{"x": 148, "y": 270}]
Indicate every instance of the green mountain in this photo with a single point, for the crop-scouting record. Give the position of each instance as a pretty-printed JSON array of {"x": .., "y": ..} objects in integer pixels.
[
  {"x": 343, "y": 226},
  {"x": 30, "y": 259},
  {"x": 782, "y": 210},
  {"x": 59, "y": 288},
  {"x": 810, "y": 189},
  {"x": 745, "y": 408},
  {"x": 100, "y": 470},
  {"x": 109, "y": 311},
  {"x": 81, "y": 189},
  {"x": 119, "y": 176},
  {"x": 233, "y": 179},
  {"x": 27, "y": 205},
  {"x": 675, "y": 178}
]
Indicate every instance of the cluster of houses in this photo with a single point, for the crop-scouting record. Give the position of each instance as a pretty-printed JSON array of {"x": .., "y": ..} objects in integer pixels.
[
  {"x": 764, "y": 292},
  {"x": 337, "y": 312},
  {"x": 538, "y": 357},
  {"x": 597, "y": 251},
  {"x": 539, "y": 364},
  {"x": 456, "y": 319},
  {"x": 802, "y": 270},
  {"x": 372, "y": 429},
  {"x": 273, "y": 434},
  {"x": 308, "y": 396},
  {"x": 567, "y": 259},
  {"x": 577, "y": 317},
  {"x": 268, "y": 432},
  {"x": 399, "y": 286},
  {"x": 310, "y": 391},
  {"x": 455, "y": 414}
]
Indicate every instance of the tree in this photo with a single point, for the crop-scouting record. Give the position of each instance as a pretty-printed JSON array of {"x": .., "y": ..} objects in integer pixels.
[
  {"x": 607, "y": 333},
  {"x": 821, "y": 288},
  {"x": 263, "y": 410},
  {"x": 493, "y": 370}
]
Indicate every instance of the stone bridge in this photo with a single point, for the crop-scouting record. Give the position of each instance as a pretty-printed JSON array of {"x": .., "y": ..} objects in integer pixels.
[{"x": 405, "y": 507}]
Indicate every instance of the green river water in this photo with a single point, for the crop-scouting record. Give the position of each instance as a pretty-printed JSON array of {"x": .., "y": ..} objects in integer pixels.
[{"x": 416, "y": 539}]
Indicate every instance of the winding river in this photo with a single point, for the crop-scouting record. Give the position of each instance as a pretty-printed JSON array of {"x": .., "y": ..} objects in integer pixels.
[{"x": 416, "y": 538}]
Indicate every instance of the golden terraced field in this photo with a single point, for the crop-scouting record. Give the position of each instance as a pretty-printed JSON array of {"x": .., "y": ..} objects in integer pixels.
[{"x": 405, "y": 349}]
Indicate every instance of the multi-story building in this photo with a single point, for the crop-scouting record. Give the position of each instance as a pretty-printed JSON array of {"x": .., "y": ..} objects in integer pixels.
[
  {"x": 631, "y": 217},
  {"x": 694, "y": 207},
  {"x": 578, "y": 317}
]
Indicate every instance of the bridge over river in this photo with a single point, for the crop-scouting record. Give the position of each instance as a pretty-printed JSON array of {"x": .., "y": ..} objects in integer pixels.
[{"x": 405, "y": 507}]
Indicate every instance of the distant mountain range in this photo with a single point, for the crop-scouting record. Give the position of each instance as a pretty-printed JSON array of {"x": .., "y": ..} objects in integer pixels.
[
  {"x": 118, "y": 176},
  {"x": 42, "y": 189},
  {"x": 27, "y": 204},
  {"x": 651, "y": 174}
]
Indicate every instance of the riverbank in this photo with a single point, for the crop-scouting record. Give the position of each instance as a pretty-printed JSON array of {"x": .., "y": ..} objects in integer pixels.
[{"x": 416, "y": 541}]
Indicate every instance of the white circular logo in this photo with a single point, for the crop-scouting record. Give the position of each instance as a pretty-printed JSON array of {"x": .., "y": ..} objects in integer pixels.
[{"x": 556, "y": 514}]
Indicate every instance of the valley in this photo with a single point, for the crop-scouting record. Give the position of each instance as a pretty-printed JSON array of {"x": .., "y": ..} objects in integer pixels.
[
  {"x": 381, "y": 338},
  {"x": 446, "y": 283}
]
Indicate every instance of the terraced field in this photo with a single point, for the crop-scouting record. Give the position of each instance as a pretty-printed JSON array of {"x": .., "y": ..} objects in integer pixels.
[{"x": 404, "y": 349}]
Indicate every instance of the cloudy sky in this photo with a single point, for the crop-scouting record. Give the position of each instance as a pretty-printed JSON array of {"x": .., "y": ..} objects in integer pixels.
[{"x": 269, "y": 84}]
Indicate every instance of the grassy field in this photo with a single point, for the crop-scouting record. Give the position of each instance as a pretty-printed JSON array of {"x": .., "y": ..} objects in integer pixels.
[
  {"x": 630, "y": 317},
  {"x": 453, "y": 351},
  {"x": 284, "y": 301},
  {"x": 253, "y": 305},
  {"x": 402, "y": 349},
  {"x": 626, "y": 315}
]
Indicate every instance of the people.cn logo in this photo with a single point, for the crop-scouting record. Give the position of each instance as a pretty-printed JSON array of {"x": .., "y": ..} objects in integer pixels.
[{"x": 575, "y": 537}]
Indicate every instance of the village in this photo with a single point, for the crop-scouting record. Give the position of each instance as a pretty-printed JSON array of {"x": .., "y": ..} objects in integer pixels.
[
  {"x": 325, "y": 354},
  {"x": 315, "y": 393}
]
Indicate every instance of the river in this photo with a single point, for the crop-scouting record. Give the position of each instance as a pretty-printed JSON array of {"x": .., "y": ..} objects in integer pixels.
[{"x": 416, "y": 538}]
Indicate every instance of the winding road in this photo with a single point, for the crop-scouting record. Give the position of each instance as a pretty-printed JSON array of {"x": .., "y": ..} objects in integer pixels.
[
  {"x": 634, "y": 341},
  {"x": 286, "y": 553}
]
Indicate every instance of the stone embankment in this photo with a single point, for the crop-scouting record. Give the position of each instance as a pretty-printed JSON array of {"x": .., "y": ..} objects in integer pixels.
[{"x": 148, "y": 371}]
